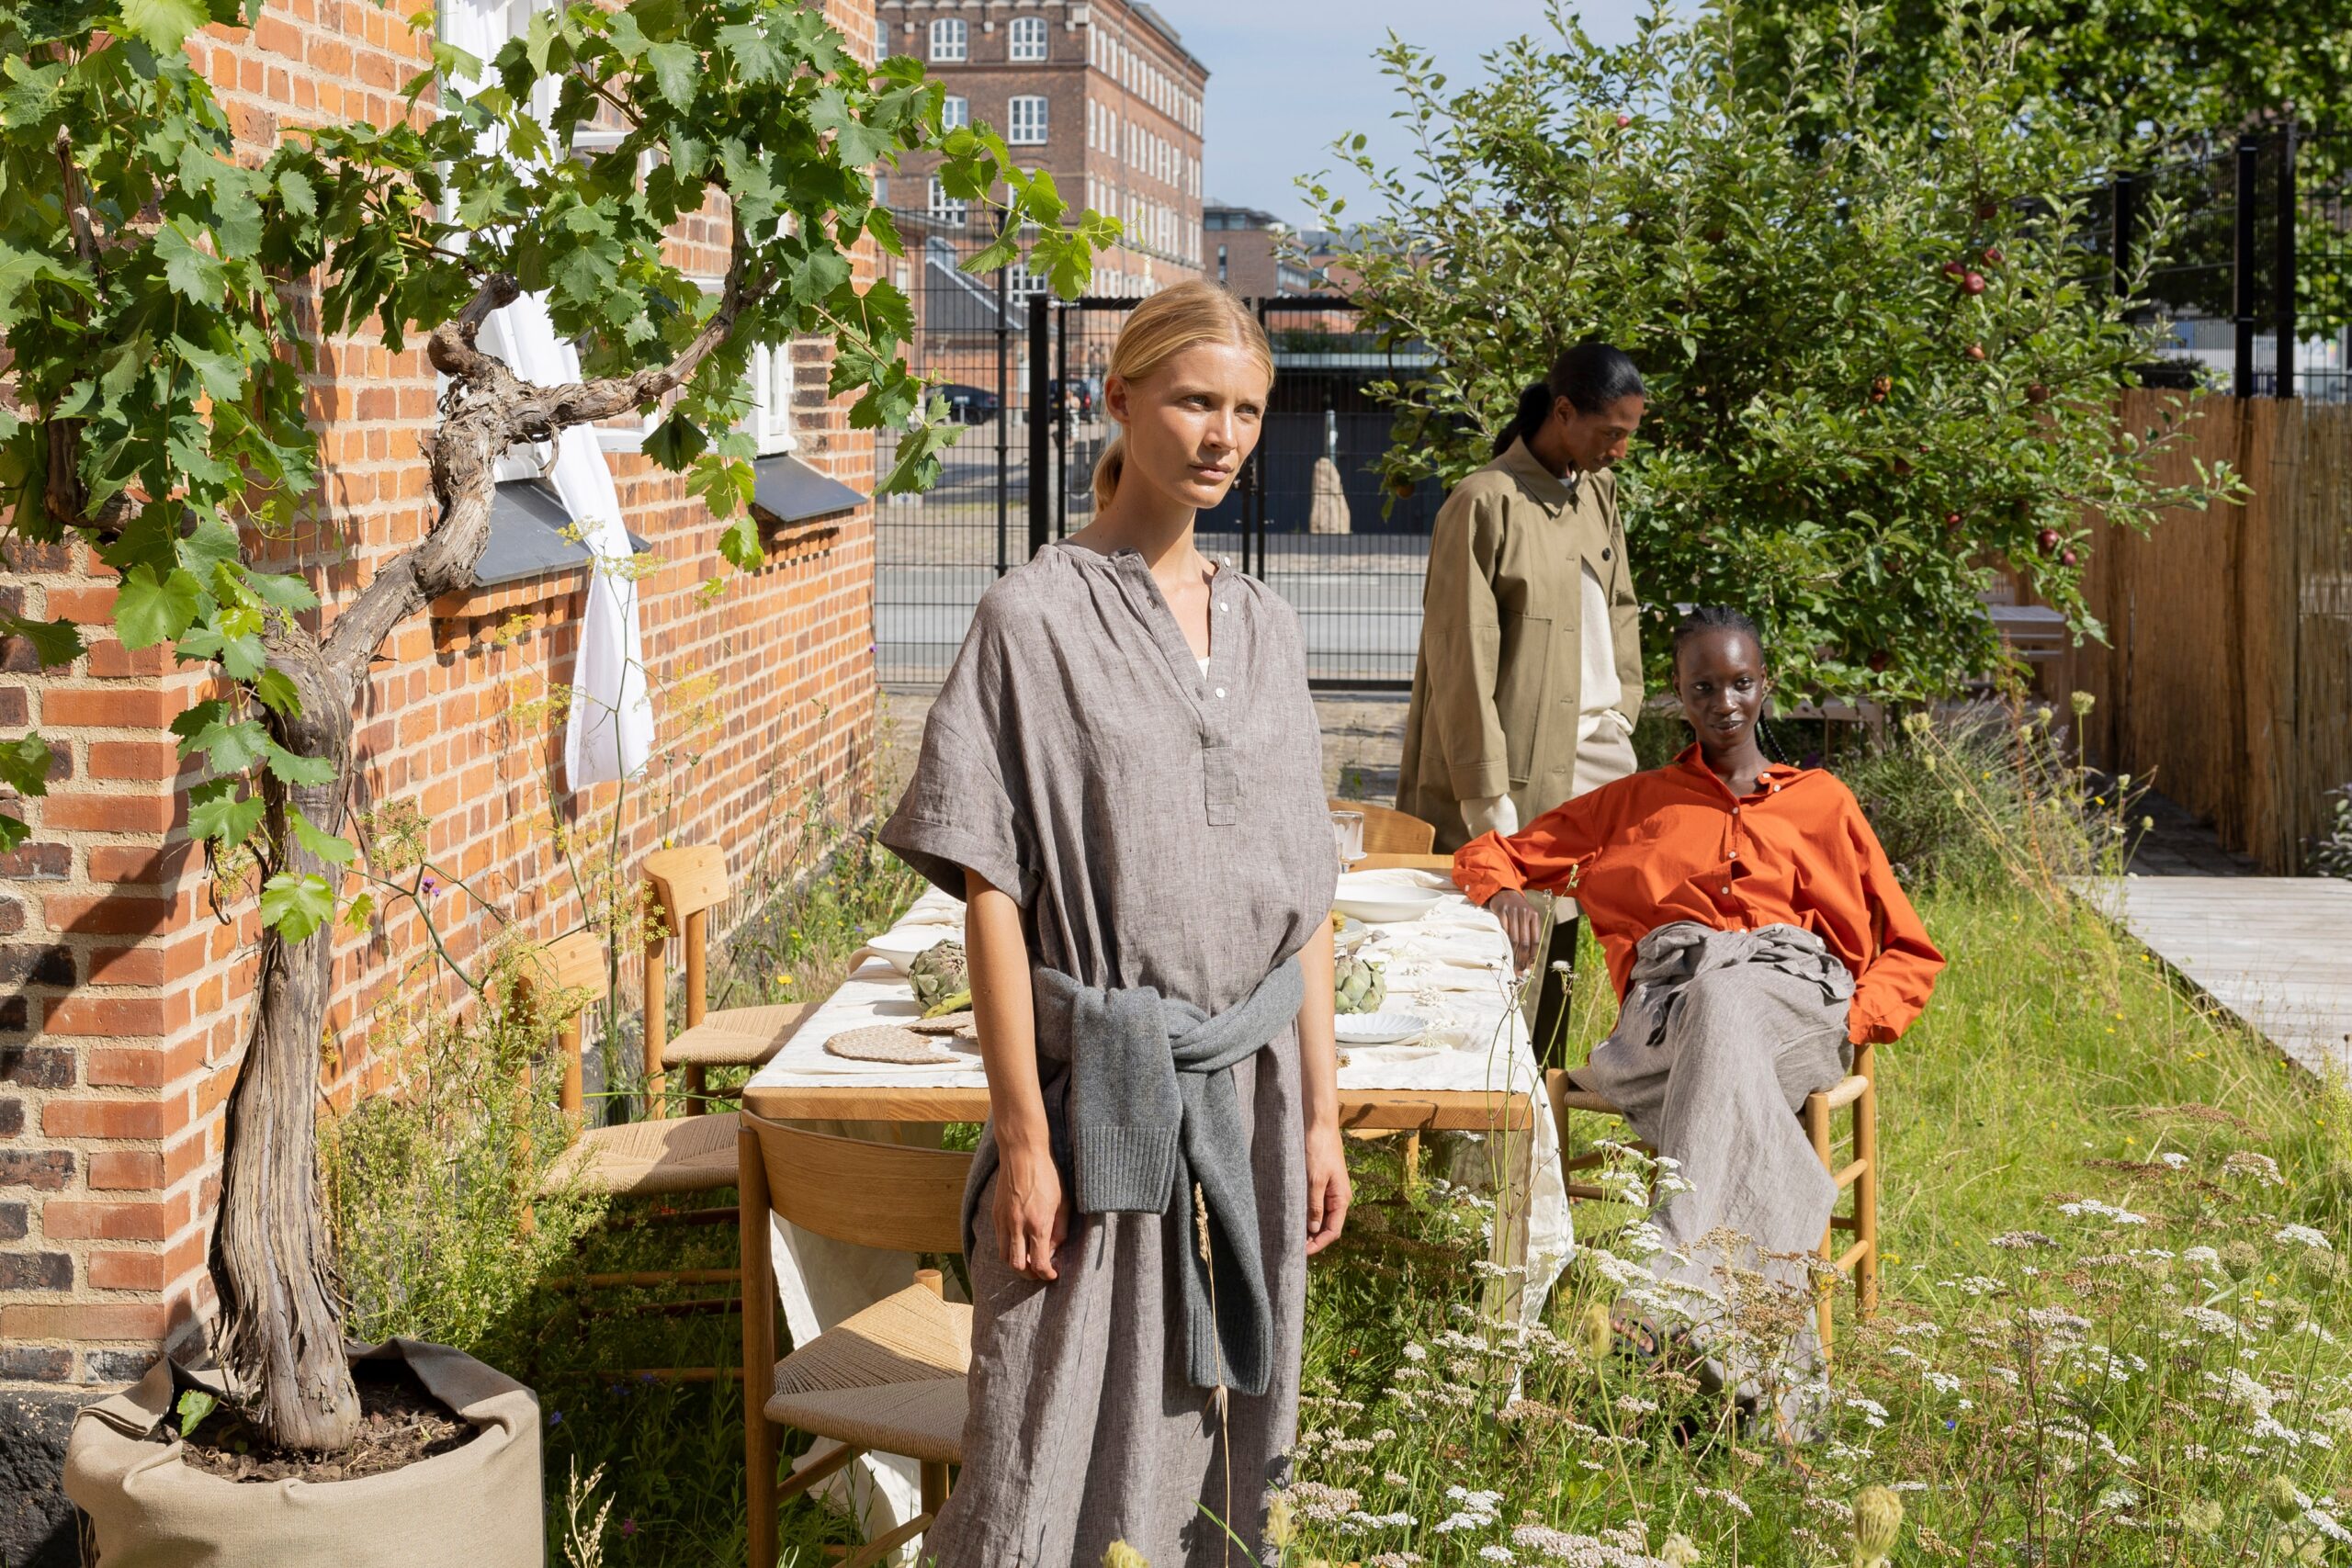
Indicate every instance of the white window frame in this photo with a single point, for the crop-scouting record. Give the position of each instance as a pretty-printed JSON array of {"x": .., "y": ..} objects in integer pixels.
[
  {"x": 1026, "y": 121},
  {"x": 1026, "y": 40},
  {"x": 955, "y": 111},
  {"x": 951, "y": 41},
  {"x": 769, "y": 423},
  {"x": 946, "y": 209}
]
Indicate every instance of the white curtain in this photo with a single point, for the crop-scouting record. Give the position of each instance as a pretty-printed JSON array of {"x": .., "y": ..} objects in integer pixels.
[{"x": 610, "y": 731}]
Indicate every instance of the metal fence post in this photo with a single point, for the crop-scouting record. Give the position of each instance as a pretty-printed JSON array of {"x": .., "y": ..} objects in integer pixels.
[
  {"x": 2241, "y": 377},
  {"x": 2282, "y": 269},
  {"x": 1041, "y": 504},
  {"x": 1004, "y": 415}
]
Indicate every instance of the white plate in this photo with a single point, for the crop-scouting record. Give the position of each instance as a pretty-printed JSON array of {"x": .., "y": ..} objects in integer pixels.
[
  {"x": 1378, "y": 1028},
  {"x": 1376, "y": 902},
  {"x": 902, "y": 946}
]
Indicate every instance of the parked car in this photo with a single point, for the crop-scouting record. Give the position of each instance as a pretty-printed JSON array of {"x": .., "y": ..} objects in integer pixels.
[{"x": 970, "y": 405}]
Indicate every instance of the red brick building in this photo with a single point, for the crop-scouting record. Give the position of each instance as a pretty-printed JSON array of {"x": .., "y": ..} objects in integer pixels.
[
  {"x": 1100, "y": 93},
  {"x": 124, "y": 1014},
  {"x": 1253, "y": 253}
]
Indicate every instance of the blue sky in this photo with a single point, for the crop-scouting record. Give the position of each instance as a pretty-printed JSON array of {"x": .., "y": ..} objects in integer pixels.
[{"x": 1287, "y": 76}]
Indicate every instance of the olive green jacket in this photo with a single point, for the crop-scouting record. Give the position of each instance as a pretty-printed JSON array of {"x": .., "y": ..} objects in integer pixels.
[{"x": 1495, "y": 687}]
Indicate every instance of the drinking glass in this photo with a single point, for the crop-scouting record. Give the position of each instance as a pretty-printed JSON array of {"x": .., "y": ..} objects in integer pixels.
[{"x": 1347, "y": 836}]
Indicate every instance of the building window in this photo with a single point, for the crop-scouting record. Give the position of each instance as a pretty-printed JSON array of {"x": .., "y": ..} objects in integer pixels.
[
  {"x": 1028, "y": 38},
  {"x": 1220, "y": 263},
  {"x": 1028, "y": 115},
  {"x": 955, "y": 112},
  {"x": 946, "y": 208},
  {"x": 769, "y": 423},
  {"x": 950, "y": 41}
]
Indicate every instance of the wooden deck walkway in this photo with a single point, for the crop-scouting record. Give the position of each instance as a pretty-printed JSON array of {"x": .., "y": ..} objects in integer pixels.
[{"x": 2276, "y": 951}]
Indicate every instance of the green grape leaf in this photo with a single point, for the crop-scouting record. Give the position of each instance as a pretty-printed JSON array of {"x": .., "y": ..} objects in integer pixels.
[{"x": 295, "y": 906}]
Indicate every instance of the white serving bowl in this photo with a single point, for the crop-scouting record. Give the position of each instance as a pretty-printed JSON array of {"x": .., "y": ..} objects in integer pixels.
[
  {"x": 903, "y": 946},
  {"x": 1377, "y": 903}
]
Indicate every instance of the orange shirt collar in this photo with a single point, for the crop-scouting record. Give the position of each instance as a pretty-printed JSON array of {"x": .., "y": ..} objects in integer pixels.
[{"x": 1692, "y": 760}]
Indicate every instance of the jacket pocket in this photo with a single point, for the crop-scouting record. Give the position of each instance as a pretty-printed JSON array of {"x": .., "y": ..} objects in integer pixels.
[{"x": 1522, "y": 674}]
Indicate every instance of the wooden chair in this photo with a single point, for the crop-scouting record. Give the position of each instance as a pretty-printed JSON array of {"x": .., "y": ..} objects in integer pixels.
[
  {"x": 890, "y": 1379},
  {"x": 686, "y": 884},
  {"x": 1388, "y": 831},
  {"x": 1444, "y": 864},
  {"x": 1859, "y": 1091},
  {"x": 636, "y": 1159}
]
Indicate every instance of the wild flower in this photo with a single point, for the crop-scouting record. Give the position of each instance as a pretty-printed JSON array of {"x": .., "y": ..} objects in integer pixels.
[
  {"x": 1680, "y": 1550},
  {"x": 2092, "y": 1208},
  {"x": 1495, "y": 1553},
  {"x": 2304, "y": 1235},
  {"x": 2203, "y": 1516},
  {"x": 2174, "y": 1159},
  {"x": 2262, "y": 1168},
  {"x": 2018, "y": 1241},
  {"x": 1119, "y": 1555}
]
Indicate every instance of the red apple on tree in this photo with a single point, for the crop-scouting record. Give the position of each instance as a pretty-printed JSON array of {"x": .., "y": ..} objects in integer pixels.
[
  {"x": 1975, "y": 351},
  {"x": 2037, "y": 394},
  {"x": 1974, "y": 283},
  {"x": 1879, "y": 661},
  {"x": 2066, "y": 557},
  {"x": 1992, "y": 255},
  {"x": 1955, "y": 268},
  {"x": 1951, "y": 521},
  {"x": 2047, "y": 539}
]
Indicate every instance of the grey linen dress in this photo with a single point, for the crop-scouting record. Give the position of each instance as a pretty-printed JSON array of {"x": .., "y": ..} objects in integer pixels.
[{"x": 1158, "y": 827}]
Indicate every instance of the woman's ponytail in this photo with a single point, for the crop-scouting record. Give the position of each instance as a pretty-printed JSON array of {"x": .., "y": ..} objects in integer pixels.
[
  {"x": 1107, "y": 468},
  {"x": 1534, "y": 408}
]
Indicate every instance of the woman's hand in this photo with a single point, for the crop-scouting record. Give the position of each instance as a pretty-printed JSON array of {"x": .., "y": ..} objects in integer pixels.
[
  {"x": 1328, "y": 1188},
  {"x": 1522, "y": 921},
  {"x": 1030, "y": 1213}
]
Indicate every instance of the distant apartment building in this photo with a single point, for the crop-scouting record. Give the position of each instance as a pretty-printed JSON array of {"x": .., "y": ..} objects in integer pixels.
[
  {"x": 1103, "y": 95},
  {"x": 1253, "y": 253}
]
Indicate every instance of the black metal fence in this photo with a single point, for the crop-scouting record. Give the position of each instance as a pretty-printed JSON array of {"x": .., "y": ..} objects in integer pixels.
[
  {"x": 2254, "y": 287},
  {"x": 1308, "y": 515}
]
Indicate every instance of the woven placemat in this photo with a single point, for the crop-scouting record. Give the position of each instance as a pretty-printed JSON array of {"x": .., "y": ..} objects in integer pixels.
[
  {"x": 947, "y": 1024},
  {"x": 888, "y": 1042}
]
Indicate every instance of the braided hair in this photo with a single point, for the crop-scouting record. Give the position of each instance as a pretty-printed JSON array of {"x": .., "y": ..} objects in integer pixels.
[
  {"x": 1591, "y": 375},
  {"x": 1723, "y": 617}
]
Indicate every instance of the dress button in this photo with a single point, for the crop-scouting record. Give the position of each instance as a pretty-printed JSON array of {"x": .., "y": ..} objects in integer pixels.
[
  {"x": 1727, "y": 889},
  {"x": 1220, "y": 690},
  {"x": 1605, "y": 555},
  {"x": 1226, "y": 605}
]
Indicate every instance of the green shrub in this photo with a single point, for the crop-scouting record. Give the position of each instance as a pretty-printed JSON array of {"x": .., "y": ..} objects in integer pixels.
[{"x": 433, "y": 1181}]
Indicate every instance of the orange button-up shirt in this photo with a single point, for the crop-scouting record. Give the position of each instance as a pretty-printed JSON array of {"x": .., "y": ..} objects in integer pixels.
[{"x": 1675, "y": 844}]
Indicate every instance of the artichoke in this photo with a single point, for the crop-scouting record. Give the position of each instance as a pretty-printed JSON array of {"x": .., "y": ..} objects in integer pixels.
[
  {"x": 1358, "y": 986},
  {"x": 938, "y": 973}
]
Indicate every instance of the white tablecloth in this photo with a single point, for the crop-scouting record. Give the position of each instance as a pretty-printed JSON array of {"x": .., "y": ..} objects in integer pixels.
[{"x": 1453, "y": 967}]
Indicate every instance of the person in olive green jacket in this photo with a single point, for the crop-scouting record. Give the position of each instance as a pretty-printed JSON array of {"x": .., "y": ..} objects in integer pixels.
[{"x": 1530, "y": 673}]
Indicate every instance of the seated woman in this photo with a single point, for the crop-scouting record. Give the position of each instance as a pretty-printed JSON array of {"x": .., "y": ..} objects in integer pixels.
[{"x": 1754, "y": 930}]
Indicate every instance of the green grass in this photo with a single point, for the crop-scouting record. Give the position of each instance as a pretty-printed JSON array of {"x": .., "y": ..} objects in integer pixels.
[{"x": 2057, "y": 1064}]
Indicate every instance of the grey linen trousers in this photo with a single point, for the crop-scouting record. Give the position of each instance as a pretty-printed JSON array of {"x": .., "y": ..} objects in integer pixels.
[{"x": 1722, "y": 1036}]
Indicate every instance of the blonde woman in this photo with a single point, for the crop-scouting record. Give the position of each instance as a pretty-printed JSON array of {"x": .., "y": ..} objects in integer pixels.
[{"x": 1123, "y": 777}]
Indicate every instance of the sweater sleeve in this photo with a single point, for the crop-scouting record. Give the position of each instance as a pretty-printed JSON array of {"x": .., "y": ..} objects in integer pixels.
[
  {"x": 1546, "y": 854},
  {"x": 1894, "y": 986}
]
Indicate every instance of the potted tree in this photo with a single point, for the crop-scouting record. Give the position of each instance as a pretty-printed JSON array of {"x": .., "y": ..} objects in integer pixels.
[{"x": 149, "y": 283}]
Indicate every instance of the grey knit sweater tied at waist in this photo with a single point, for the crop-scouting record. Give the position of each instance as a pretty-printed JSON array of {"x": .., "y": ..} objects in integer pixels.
[{"x": 1151, "y": 1115}]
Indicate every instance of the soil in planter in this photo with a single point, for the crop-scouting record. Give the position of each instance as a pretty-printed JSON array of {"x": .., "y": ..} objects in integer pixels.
[{"x": 400, "y": 1423}]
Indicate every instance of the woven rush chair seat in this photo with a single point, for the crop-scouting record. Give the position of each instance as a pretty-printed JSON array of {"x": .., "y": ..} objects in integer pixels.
[
  {"x": 735, "y": 1037},
  {"x": 889, "y": 1377},
  {"x": 639, "y": 1159}
]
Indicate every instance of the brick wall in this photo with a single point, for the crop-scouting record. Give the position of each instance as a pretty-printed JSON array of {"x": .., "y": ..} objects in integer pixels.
[{"x": 123, "y": 984}]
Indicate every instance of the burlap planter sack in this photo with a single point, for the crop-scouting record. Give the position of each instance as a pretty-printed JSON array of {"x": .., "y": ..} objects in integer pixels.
[{"x": 477, "y": 1505}]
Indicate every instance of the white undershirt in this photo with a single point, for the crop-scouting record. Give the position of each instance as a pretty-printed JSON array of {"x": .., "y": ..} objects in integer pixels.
[{"x": 1601, "y": 688}]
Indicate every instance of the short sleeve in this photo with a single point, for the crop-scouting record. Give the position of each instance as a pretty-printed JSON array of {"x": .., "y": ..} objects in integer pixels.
[{"x": 963, "y": 809}]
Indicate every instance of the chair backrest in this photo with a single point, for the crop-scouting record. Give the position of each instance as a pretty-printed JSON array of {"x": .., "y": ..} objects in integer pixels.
[
  {"x": 687, "y": 880},
  {"x": 1405, "y": 863},
  {"x": 559, "y": 972},
  {"x": 1388, "y": 831},
  {"x": 891, "y": 1196}
]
